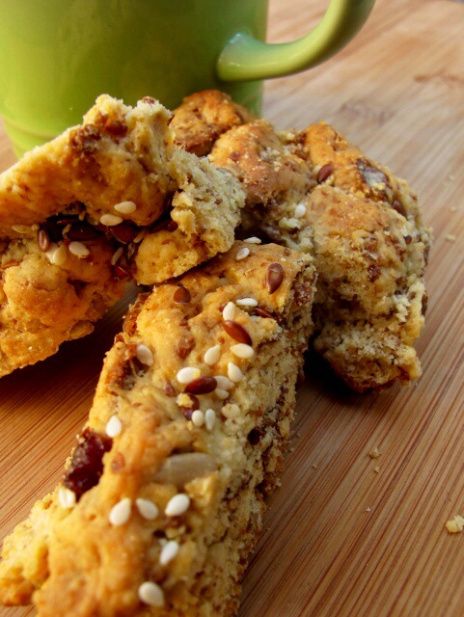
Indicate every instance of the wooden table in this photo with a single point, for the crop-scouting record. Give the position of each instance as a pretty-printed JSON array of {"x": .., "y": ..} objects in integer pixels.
[{"x": 341, "y": 539}]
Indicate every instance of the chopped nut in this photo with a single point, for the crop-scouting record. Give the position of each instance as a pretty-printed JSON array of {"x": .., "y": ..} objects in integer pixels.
[{"x": 179, "y": 469}]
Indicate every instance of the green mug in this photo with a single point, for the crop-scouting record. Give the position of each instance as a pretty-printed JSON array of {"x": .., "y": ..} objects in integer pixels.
[{"x": 56, "y": 56}]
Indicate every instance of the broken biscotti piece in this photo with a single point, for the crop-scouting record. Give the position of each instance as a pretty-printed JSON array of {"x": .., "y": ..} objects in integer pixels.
[
  {"x": 313, "y": 191},
  {"x": 203, "y": 117},
  {"x": 106, "y": 201},
  {"x": 163, "y": 497}
]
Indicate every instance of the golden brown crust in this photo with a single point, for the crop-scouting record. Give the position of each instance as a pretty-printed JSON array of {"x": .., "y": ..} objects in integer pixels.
[
  {"x": 203, "y": 117},
  {"x": 364, "y": 228},
  {"x": 161, "y": 450},
  {"x": 268, "y": 171},
  {"x": 81, "y": 214}
]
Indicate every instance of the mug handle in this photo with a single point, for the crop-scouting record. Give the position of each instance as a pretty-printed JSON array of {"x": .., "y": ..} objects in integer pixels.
[{"x": 245, "y": 58}]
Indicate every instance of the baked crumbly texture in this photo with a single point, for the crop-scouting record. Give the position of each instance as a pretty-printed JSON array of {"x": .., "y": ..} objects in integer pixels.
[
  {"x": 203, "y": 117},
  {"x": 163, "y": 497},
  {"x": 363, "y": 227},
  {"x": 109, "y": 200}
]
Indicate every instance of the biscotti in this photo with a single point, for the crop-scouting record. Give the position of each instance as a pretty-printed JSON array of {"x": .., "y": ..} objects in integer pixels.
[
  {"x": 163, "y": 497},
  {"x": 105, "y": 202},
  {"x": 313, "y": 191}
]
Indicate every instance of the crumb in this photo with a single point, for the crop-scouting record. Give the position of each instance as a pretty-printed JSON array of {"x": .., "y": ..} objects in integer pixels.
[
  {"x": 314, "y": 466},
  {"x": 455, "y": 525},
  {"x": 451, "y": 177},
  {"x": 450, "y": 237},
  {"x": 453, "y": 209},
  {"x": 376, "y": 469},
  {"x": 368, "y": 510},
  {"x": 375, "y": 453}
]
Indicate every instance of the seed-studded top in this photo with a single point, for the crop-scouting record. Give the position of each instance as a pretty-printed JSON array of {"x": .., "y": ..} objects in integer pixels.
[
  {"x": 177, "y": 405},
  {"x": 109, "y": 200},
  {"x": 314, "y": 191}
]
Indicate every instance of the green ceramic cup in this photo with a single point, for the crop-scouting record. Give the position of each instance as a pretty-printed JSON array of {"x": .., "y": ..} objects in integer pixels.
[{"x": 56, "y": 56}]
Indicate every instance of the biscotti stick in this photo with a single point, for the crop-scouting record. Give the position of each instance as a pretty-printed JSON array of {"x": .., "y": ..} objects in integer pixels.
[
  {"x": 163, "y": 497},
  {"x": 313, "y": 191},
  {"x": 104, "y": 202}
]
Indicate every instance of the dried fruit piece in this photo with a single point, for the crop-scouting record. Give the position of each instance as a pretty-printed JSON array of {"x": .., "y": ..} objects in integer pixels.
[{"x": 87, "y": 462}]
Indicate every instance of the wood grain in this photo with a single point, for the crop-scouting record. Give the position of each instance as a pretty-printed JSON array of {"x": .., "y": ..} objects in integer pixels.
[{"x": 341, "y": 540}]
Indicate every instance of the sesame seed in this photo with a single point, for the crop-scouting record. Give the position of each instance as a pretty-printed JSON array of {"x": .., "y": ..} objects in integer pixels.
[
  {"x": 242, "y": 253},
  {"x": 188, "y": 374},
  {"x": 113, "y": 427},
  {"x": 234, "y": 373},
  {"x": 120, "y": 512},
  {"x": 110, "y": 220},
  {"x": 228, "y": 312},
  {"x": 78, "y": 249},
  {"x": 66, "y": 498},
  {"x": 150, "y": 593},
  {"x": 168, "y": 552},
  {"x": 147, "y": 509},
  {"x": 300, "y": 210},
  {"x": 253, "y": 240},
  {"x": 139, "y": 237},
  {"x": 198, "y": 417},
  {"x": 212, "y": 355},
  {"x": 125, "y": 207},
  {"x": 223, "y": 382},
  {"x": 210, "y": 419},
  {"x": 116, "y": 255},
  {"x": 221, "y": 393},
  {"x": 177, "y": 505},
  {"x": 247, "y": 302},
  {"x": 241, "y": 350},
  {"x": 144, "y": 354}
]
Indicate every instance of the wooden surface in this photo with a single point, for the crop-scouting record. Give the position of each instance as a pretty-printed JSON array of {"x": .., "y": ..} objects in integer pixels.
[{"x": 341, "y": 540}]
